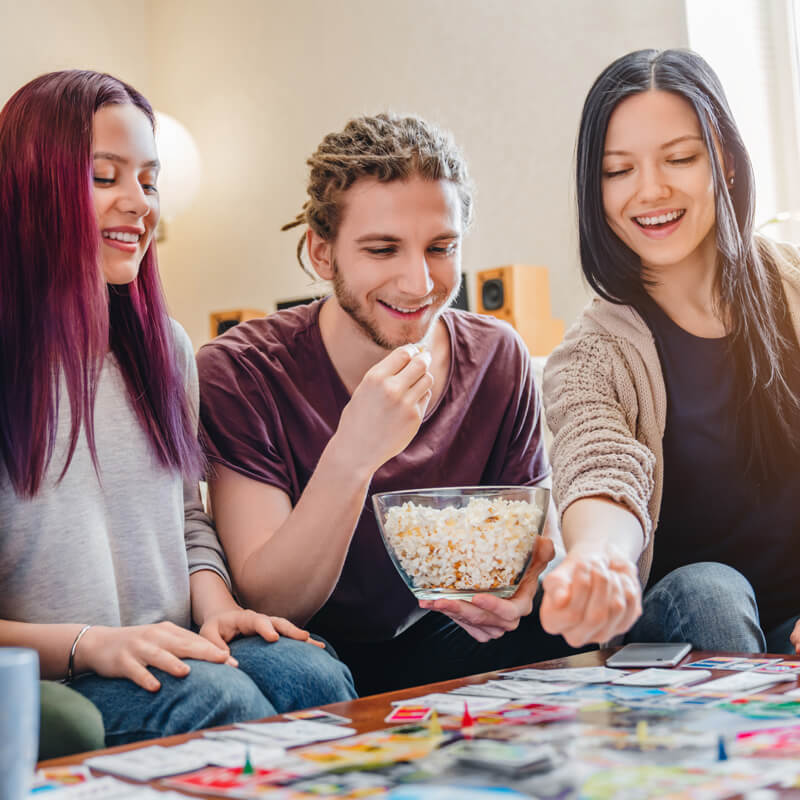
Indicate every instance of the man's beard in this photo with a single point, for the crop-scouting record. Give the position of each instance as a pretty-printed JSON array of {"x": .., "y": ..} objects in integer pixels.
[{"x": 348, "y": 302}]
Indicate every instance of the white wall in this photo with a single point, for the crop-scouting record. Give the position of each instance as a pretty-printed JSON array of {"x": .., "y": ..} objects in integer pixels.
[
  {"x": 38, "y": 36},
  {"x": 259, "y": 83}
]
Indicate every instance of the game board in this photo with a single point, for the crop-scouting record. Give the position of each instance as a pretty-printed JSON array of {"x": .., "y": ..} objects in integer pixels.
[{"x": 580, "y": 738}]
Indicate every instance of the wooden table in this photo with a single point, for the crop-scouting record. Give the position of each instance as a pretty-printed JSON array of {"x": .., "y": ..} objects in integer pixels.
[{"x": 367, "y": 714}]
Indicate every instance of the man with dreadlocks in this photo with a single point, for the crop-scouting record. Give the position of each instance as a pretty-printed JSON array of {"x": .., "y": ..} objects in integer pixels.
[{"x": 378, "y": 387}]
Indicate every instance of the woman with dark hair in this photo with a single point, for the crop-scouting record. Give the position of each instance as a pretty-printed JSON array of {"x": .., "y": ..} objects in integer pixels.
[
  {"x": 675, "y": 398},
  {"x": 106, "y": 556}
]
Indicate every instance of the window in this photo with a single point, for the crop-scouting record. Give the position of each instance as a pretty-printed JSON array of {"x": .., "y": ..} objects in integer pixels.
[{"x": 752, "y": 46}]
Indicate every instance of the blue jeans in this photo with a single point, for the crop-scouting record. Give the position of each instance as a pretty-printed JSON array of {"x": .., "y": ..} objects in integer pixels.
[
  {"x": 713, "y": 607},
  {"x": 271, "y": 678}
]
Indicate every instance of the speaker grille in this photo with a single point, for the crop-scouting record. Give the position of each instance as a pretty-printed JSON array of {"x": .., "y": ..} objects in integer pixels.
[{"x": 492, "y": 294}]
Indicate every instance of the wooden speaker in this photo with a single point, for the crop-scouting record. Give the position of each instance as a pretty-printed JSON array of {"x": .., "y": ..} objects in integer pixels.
[
  {"x": 520, "y": 295},
  {"x": 221, "y": 321}
]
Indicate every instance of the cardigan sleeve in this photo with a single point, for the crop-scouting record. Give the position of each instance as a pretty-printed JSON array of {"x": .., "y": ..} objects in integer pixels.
[{"x": 591, "y": 407}]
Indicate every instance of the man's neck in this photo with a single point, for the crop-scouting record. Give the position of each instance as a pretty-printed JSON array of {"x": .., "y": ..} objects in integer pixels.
[{"x": 352, "y": 353}]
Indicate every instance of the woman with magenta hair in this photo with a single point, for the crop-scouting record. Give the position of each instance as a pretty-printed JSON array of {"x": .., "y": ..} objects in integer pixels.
[
  {"x": 106, "y": 556},
  {"x": 675, "y": 398}
]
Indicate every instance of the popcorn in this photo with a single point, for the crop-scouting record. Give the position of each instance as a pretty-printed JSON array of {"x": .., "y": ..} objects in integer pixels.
[{"x": 480, "y": 547}]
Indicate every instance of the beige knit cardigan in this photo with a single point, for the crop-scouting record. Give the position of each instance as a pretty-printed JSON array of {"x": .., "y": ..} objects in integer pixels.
[{"x": 606, "y": 405}]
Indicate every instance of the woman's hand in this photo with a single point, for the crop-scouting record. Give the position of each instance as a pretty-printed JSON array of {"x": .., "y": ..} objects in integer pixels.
[
  {"x": 591, "y": 596},
  {"x": 127, "y": 652},
  {"x": 220, "y": 628}
]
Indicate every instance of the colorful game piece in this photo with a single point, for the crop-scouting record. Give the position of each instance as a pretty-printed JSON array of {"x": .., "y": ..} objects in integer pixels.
[
  {"x": 434, "y": 726},
  {"x": 722, "y": 755},
  {"x": 467, "y": 722},
  {"x": 641, "y": 732},
  {"x": 247, "y": 769}
]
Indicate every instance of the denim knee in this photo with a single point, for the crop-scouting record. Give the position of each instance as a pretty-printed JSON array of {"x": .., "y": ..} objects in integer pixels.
[
  {"x": 294, "y": 674},
  {"x": 217, "y": 694},
  {"x": 708, "y": 604},
  {"x": 211, "y": 694}
]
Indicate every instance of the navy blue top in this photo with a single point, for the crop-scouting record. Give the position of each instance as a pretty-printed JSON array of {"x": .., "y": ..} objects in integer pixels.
[{"x": 710, "y": 511}]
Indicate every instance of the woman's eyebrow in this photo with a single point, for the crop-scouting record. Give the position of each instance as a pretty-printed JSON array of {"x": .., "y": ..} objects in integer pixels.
[
  {"x": 120, "y": 160},
  {"x": 670, "y": 143}
]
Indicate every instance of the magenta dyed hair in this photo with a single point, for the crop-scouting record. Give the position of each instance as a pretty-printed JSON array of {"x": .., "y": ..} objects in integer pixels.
[{"x": 58, "y": 317}]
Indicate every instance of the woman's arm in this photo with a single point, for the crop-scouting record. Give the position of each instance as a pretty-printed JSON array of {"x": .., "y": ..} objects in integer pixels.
[
  {"x": 603, "y": 480},
  {"x": 113, "y": 652},
  {"x": 594, "y": 594},
  {"x": 52, "y": 642}
]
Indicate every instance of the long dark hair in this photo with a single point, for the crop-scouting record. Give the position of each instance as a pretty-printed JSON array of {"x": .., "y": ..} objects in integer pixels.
[
  {"x": 762, "y": 338},
  {"x": 58, "y": 319}
]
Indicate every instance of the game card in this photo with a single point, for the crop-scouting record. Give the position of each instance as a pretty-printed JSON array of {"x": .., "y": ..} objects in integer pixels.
[
  {"x": 108, "y": 789},
  {"x": 453, "y": 703},
  {"x": 507, "y": 757},
  {"x": 781, "y": 668},
  {"x": 232, "y": 781},
  {"x": 228, "y": 753},
  {"x": 51, "y": 778},
  {"x": 295, "y": 733},
  {"x": 734, "y": 663},
  {"x": 401, "y": 714},
  {"x": 318, "y": 715},
  {"x": 568, "y": 674},
  {"x": 744, "y": 682},
  {"x": 147, "y": 763},
  {"x": 655, "y": 676},
  {"x": 744, "y": 664}
]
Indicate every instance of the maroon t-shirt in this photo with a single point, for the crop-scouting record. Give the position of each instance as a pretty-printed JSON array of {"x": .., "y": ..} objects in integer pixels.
[{"x": 270, "y": 399}]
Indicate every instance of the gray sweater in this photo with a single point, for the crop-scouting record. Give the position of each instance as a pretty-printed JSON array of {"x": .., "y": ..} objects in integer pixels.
[
  {"x": 111, "y": 551},
  {"x": 606, "y": 405}
]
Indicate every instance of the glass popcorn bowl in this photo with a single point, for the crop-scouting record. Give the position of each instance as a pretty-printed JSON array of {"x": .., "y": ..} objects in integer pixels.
[{"x": 461, "y": 541}]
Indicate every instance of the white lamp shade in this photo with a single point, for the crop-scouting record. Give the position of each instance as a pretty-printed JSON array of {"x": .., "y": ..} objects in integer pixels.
[{"x": 179, "y": 178}]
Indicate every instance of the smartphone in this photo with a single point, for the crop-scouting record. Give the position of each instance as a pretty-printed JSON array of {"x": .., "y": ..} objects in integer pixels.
[{"x": 652, "y": 654}]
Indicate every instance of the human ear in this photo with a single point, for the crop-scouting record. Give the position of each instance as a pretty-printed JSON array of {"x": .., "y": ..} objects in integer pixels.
[{"x": 320, "y": 251}]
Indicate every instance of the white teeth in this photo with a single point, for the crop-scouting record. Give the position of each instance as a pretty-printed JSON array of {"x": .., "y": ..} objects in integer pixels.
[
  {"x": 661, "y": 218},
  {"x": 407, "y": 310},
  {"x": 130, "y": 238}
]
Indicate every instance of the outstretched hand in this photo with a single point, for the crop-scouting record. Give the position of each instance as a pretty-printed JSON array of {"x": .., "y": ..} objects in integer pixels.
[{"x": 591, "y": 597}]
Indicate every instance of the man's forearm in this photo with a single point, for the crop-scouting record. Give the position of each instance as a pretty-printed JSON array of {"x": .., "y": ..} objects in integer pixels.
[{"x": 294, "y": 572}]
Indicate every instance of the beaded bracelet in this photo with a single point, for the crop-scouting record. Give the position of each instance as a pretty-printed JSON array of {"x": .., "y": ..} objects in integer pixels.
[{"x": 71, "y": 665}]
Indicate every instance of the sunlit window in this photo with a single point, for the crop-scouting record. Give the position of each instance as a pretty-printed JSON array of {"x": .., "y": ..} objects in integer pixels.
[{"x": 752, "y": 46}]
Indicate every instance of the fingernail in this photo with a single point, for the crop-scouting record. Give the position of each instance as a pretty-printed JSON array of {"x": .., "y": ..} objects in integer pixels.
[{"x": 232, "y": 661}]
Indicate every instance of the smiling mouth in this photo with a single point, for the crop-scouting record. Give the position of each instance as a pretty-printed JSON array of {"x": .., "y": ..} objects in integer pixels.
[
  {"x": 118, "y": 236},
  {"x": 657, "y": 221},
  {"x": 410, "y": 312}
]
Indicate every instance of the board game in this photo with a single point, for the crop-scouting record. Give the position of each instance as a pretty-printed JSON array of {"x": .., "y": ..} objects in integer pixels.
[{"x": 717, "y": 728}]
